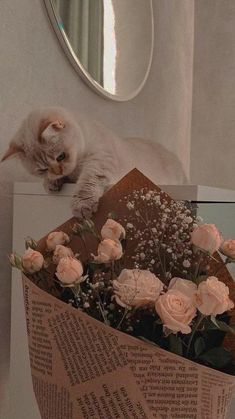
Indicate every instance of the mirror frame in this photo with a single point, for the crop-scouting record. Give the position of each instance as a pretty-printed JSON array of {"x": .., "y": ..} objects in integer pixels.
[{"x": 77, "y": 65}]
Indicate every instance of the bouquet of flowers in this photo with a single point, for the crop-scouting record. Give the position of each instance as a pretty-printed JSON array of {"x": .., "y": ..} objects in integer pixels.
[{"x": 151, "y": 270}]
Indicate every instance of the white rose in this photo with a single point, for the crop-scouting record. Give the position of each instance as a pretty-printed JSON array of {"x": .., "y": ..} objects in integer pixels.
[
  {"x": 206, "y": 237},
  {"x": 185, "y": 286},
  {"x": 136, "y": 288},
  {"x": 212, "y": 297},
  {"x": 108, "y": 251},
  {"x": 55, "y": 238},
  {"x": 112, "y": 230},
  {"x": 176, "y": 311},
  {"x": 228, "y": 249},
  {"x": 61, "y": 252},
  {"x": 69, "y": 271},
  {"x": 32, "y": 261}
]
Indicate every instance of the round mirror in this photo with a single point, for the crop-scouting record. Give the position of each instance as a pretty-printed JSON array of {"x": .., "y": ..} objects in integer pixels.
[{"x": 109, "y": 42}]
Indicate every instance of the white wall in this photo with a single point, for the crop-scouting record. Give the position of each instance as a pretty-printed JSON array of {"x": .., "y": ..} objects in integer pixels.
[
  {"x": 34, "y": 72},
  {"x": 213, "y": 112}
]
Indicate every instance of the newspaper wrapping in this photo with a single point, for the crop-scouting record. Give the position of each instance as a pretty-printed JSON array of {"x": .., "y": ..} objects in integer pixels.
[{"x": 82, "y": 368}]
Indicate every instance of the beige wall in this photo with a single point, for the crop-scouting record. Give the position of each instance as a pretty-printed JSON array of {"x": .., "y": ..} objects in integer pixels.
[{"x": 213, "y": 112}]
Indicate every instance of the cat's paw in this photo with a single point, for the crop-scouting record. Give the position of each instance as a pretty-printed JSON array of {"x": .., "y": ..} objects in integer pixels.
[
  {"x": 83, "y": 209},
  {"x": 53, "y": 185}
]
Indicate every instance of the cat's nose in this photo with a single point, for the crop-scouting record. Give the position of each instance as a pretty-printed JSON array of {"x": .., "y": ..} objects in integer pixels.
[{"x": 56, "y": 169}]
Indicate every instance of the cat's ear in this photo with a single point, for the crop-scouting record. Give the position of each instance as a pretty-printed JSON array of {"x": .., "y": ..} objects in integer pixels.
[
  {"x": 12, "y": 151},
  {"x": 49, "y": 128}
]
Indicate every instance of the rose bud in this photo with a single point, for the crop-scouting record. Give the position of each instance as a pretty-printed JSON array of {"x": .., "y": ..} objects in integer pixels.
[
  {"x": 176, "y": 311},
  {"x": 15, "y": 260},
  {"x": 69, "y": 271},
  {"x": 61, "y": 252},
  {"x": 228, "y": 249},
  {"x": 55, "y": 238},
  {"x": 113, "y": 230},
  {"x": 32, "y": 261},
  {"x": 108, "y": 251},
  {"x": 206, "y": 237},
  {"x": 212, "y": 297},
  {"x": 29, "y": 242},
  {"x": 136, "y": 288}
]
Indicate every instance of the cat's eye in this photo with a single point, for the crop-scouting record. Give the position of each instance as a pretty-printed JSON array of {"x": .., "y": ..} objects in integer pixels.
[{"x": 61, "y": 157}]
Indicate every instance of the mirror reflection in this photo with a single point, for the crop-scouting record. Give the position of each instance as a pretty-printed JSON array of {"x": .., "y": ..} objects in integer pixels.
[{"x": 112, "y": 41}]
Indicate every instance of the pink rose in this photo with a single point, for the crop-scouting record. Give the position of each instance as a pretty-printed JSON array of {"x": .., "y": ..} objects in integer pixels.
[
  {"x": 176, "y": 311},
  {"x": 32, "y": 261},
  {"x": 206, "y": 237},
  {"x": 55, "y": 238},
  {"x": 112, "y": 230},
  {"x": 61, "y": 252},
  {"x": 69, "y": 271},
  {"x": 228, "y": 249},
  {"x": 185, "y": 286},
  {"x": 136, "y": 288},
  {"x": 212, "y": 297},
  {"x": 108, "y": 251}
]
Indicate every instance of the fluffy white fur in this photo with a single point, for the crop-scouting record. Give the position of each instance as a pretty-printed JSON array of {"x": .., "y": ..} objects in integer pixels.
[{"x": 89, "y": 154}]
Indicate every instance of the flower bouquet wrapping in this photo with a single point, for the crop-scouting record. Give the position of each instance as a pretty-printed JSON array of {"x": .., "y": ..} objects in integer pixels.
[{"x": 131, "y": 314}]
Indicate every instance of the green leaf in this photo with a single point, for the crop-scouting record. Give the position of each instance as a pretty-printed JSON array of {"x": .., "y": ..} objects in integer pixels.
[
  {"x": 200, "y": 279},
  {"x": 217, "y": 357},
  {"x": 223, "y": 326},
  {"x": 175, "y": 344},
  {"x": 112, "y": 215},
  {"x": 199, "y": 346}
]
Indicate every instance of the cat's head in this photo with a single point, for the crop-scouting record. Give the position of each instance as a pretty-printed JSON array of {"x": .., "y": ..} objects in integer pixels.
[{"x": 48, "y": 143}]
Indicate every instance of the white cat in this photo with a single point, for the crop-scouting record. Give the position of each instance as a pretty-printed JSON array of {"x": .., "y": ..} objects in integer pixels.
[{"x": 51, "y": 144}]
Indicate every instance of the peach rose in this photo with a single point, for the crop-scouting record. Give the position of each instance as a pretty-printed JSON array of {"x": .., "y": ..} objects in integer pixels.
[
  {"x": 206, "y": 237},
  {"x": 108, "y": 251},
  {"x": 212, "y": 297},
  {"x": 136, "y": 288},
  {"x": 61, "y": 252},
  {"x": 32, "y": 261},
  {"x": 176, "y": 311},
  {"x": 113, "y": 230},
  {"x": 69, "y": 271},
  {"x": 185, "y": 286},
  {"x": 228, "y": 249},
  {"x": 55, "y": 238}
]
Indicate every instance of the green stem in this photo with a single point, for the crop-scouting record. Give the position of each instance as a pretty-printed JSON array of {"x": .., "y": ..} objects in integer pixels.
[
  {"x": 197, "y": 270},
  {"x": 195, "y": 328},
  {"x": 112, "y": 270},
  {"x": 123, "y": 317},
  {"x": 101, "y": 307}
]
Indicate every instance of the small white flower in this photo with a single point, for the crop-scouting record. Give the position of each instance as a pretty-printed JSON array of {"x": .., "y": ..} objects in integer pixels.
[
  {"x": 129, "y": 225},
  {"x": 186, "y": 263},
  {"x": 130, "y": 205},
  {"x": 188, "y": 220}
]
